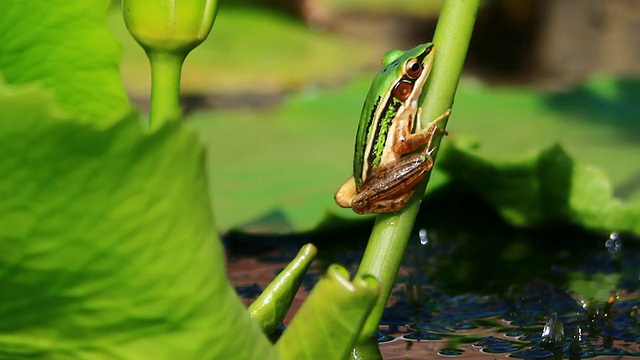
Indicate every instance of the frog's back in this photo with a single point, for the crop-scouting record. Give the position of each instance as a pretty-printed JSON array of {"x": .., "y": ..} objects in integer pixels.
[{"x": 378, "y": 112}]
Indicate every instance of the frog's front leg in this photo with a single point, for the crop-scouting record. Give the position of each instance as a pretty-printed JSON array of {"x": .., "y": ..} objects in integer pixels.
[
  {"x": 405, "y": 141},
  {"x": 390, "y": 187}
]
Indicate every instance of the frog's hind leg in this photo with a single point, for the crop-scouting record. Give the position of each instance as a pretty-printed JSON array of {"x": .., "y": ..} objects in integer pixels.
[{"x": 390, "y": 187}]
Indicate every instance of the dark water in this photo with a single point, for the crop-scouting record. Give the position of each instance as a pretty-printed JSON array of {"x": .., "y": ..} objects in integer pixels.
[{"x": 469, "y": 279}]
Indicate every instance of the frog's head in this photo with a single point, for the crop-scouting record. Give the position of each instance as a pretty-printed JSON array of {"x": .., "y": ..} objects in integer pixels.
[{"x": 405, "y": 72}]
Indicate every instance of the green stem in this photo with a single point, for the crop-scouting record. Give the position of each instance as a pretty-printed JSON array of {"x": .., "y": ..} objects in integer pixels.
[
  {"x": 391, "y": 232},
  {"x": 165, "y": 86}
]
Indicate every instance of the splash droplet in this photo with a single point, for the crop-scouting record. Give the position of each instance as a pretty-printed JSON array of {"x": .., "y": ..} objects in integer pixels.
[
  {"x": 613, "y": 244},
  {"x": 423, "y": 237},
  {"x": 553, "y": 332}
]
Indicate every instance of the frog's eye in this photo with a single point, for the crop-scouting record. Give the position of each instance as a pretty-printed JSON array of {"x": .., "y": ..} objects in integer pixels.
[
  {"x": 402, "y": 90},
  {"x": 413, "y": 68}
]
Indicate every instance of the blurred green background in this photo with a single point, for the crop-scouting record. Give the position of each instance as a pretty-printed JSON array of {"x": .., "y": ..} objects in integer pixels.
[{"x": 275, "y": 93}]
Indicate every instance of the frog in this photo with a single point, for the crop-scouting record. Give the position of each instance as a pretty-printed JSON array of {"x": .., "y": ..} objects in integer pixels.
[{"x": 392, "y": 152}]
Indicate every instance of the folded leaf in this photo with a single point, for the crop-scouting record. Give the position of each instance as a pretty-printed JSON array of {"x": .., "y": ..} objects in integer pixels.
[
  {"x": 270, "y": 308},
  {"x": 329, "y": 322}
]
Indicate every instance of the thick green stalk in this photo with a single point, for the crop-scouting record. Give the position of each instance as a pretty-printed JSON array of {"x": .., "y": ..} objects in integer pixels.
[
  {"x": 391, "y": 232},
  {"x": 165, "y": 86},
  {"x": 168, "y": 31}
]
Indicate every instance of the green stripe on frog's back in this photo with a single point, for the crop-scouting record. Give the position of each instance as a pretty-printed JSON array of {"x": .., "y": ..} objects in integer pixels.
[
  {"x": 378, "y": 111},
  {"x": 379, "y": 141},
  {"x": 375, "y": 121}
]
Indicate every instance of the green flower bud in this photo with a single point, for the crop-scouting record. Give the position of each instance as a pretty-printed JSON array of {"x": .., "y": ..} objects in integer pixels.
[{"x": 169, "y": 25}]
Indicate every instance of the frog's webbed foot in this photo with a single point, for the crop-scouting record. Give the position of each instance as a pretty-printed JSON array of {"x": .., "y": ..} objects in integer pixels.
[
  {"x": 433, "y": 125},
  {"x": 434, "y": 129},
  {"x": 345, "y": 194}
]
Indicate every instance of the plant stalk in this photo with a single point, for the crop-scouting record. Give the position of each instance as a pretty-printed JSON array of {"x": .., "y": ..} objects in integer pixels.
[
  {"x": 390, "y": 234},
  {"x": 165, "y": 86}
]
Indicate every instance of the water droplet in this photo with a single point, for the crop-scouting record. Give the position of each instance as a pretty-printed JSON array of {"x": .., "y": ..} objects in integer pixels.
[
  {"x": 553, "y": 332},
  {"x": 577, "y": 335},
  {"x": 423, "y": 237},
  {"x": 614, "y": 243},
  {"x": 575, "y": 348}
]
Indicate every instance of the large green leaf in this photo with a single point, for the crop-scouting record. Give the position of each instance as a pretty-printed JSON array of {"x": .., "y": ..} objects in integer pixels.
[
  {"x": 108, "y": 248},
  {"x": 286, "y": 161},
  {"x": 596, "y": 123},
  {"x": 64, "y": 46},
  {"x": 545, "y": 188}
]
